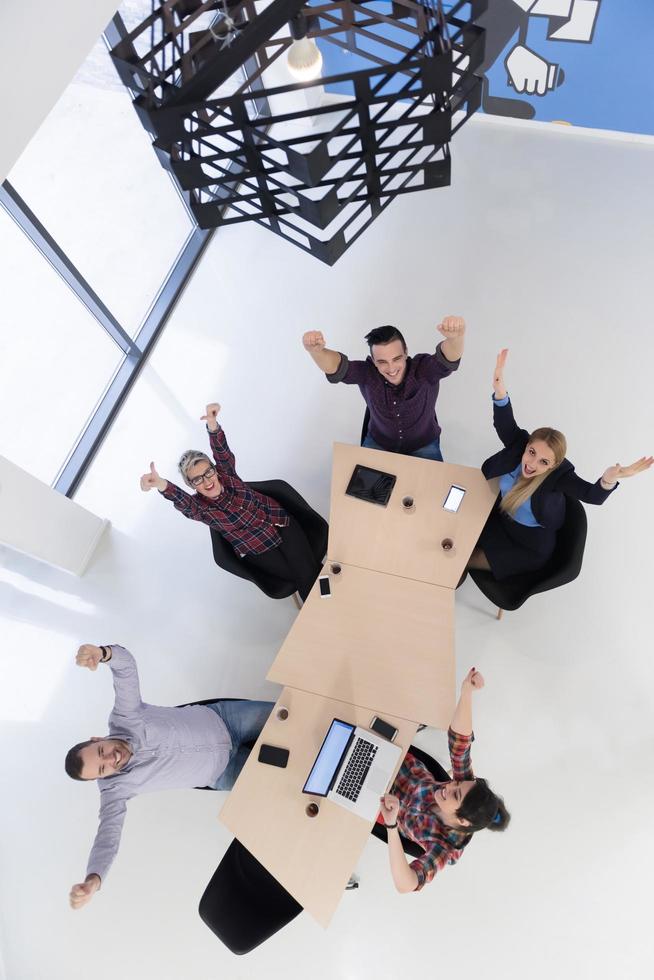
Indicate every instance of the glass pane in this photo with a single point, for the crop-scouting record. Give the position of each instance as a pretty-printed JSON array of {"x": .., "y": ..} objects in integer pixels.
[
  {"x": 55, "y": 359},
  {"x": 91, "y": 177}
]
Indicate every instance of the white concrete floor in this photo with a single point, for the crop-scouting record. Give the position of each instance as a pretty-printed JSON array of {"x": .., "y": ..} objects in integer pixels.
[{"x": 544, "y": 243}]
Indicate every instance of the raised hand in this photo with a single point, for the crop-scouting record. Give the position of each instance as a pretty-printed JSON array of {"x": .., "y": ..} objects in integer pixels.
[
  {"x": 499, "y": 387},
  {"x": 83, "y": 892},
  {"x": 452, "y": 327},
  {"x": 210, "y": 418},
  {"x": 88, "y": 656},
  {"x": 617, "y": 472},
  {"x": 473, "y": 680},
  {"x": 313, "y": 341},
  {"x": 152, "y": 480},
  {"x": 390, "y": 807}
]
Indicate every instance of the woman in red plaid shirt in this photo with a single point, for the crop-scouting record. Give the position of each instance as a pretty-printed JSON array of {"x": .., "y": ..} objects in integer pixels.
[
  {"x": 440, "y": 816},
  {"x": 258, "y": 528}
]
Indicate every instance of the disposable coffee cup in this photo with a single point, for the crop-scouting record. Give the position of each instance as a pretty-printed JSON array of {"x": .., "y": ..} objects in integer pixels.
[
  {"x": 335, "y": 568},
  {"x": 407, "y": 503},
  {"x": 282, "y": 713},
  {"x": 312, "y": 810},
  {"x": 447, "y": 544}
]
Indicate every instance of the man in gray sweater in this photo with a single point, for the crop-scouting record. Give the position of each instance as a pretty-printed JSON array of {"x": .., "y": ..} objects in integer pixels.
[{"x": 151, "y": 748}]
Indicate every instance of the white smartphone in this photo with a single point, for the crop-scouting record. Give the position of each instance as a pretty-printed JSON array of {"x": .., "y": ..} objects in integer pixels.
[
  {"x": 325, "y": 587},
  {"x": 454, "y": 497}
]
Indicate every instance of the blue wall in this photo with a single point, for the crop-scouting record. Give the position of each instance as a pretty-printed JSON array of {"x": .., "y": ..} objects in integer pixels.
[{"x": 607, "y": 81}]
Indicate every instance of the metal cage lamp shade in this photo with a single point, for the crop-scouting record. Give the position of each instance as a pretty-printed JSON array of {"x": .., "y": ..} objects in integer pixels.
[{"x": 244, "y": 147}]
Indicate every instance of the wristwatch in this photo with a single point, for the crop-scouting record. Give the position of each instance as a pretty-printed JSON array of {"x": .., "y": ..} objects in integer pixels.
[{"x": 106, "y": 655}]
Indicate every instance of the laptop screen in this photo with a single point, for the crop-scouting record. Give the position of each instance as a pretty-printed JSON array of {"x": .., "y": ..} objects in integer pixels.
[{"x": 329, "y": 758}]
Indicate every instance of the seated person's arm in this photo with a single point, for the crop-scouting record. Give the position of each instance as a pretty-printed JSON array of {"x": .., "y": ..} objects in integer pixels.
[
  {"x": 462, "y": 717},
  {"x": 127, "y": 693},
  {"x": 103, "y": 852},
  {"x": 405, "y": 878},
  {"x": 503, "y": 420},
  {"x": 597, "y": 493},
  {"x": 327, "y": 360},
  {"x": 182, "y": 501},
  {"x": 222, "y": 454},
  {"x": 453, "y": 328}
]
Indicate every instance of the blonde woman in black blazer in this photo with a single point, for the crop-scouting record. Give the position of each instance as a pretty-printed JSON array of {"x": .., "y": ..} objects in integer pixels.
[{"x": 534, "y": 477}]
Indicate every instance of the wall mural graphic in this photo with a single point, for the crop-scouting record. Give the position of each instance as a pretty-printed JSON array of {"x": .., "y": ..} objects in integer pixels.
[
  {"x": 530, "y": 68},
  {"x": 587, "y": 62}
]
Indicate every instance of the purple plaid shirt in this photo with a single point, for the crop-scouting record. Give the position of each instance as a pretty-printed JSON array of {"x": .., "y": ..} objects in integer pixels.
[
  {"x": 402, "y": 417},
  {"x": 415, "y": 788},
  {"x": 245, "y": 518}
]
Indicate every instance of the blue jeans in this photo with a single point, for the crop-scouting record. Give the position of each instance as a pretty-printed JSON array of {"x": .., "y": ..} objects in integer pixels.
[
  {"x": 431, "y": 451},
  {"x": 243, "y": 721}
]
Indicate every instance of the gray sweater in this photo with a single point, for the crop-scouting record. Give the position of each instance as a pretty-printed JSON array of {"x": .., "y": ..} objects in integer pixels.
[{"x": 173, "y": 748}]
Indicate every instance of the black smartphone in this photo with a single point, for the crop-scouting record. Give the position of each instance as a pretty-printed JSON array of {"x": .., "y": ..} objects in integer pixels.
[
  {"x": 325, "y": 587},
  {"x": 383, "y": 728},
  {"x": 272, "y": 755}
]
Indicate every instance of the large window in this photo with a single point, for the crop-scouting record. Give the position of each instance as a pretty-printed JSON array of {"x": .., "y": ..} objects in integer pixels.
[
  {"x": 100, "y": 246},
  {"x": 92, "y": 178},
  {"x": 55, "y": 361}
]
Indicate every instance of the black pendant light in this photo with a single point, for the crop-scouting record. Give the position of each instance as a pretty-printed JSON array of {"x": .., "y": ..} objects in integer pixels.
[{"x": 242, "y": 113}]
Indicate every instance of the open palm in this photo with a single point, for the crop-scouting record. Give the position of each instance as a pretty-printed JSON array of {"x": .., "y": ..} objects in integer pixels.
[{"x": 617, "y": 472}]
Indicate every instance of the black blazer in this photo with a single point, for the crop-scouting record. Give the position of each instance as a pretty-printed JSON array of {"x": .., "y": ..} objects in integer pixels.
[{"x": 548, "y": 501}]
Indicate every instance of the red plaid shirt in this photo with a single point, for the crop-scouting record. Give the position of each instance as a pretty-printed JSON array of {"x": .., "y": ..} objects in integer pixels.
[
  {"x": 415, "y": 788},
  {"x": 244, "y": 517}
]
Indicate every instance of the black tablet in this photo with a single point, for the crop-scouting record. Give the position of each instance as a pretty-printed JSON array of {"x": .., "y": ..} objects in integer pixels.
[{"x": 372, "y": 485}]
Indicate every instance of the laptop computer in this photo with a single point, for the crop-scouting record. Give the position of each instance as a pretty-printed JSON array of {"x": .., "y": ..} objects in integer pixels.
[{"x": 353, "y": 768}]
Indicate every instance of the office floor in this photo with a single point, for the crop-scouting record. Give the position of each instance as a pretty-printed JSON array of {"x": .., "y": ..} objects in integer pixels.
[{"x": 543, "y": 244}]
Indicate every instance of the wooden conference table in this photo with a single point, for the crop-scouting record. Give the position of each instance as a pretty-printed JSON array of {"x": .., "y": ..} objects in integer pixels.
[
  {"x": 312, "y": 857},
  {"x": 379, "y": 641},
  {"x": 408, "y": 543},
  {"x": 382, "y": 643},
  {"x": 384, "y": 639}
]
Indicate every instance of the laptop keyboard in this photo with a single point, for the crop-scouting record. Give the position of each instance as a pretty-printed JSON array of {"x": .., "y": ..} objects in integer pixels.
[{"x": 356, "y": 770}]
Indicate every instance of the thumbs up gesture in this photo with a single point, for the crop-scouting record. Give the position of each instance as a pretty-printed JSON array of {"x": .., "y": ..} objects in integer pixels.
[{"x": 152, "y": 480}]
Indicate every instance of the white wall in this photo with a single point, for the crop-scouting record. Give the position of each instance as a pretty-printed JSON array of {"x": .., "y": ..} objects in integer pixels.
[
  {"x": 544, "y": 243},
  {"x": 44, "y": 524},
  {"x": 42, "y": 44}
]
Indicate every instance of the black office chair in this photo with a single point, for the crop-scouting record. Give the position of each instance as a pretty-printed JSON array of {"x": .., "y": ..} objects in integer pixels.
[
  {"x": 314, "y": 526},
  {"x": 364, "y": 427},
  {"x": 563, "y": 567},
  {"x": 435, "y": 768},
  {"x": 244, "y": 904}
]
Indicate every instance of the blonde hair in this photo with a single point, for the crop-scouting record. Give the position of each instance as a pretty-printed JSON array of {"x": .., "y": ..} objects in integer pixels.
[{"x": 524, "y": 488}]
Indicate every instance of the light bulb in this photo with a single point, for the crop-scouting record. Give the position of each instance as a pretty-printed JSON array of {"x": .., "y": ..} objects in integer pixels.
[{"x": 304, "y": 60}]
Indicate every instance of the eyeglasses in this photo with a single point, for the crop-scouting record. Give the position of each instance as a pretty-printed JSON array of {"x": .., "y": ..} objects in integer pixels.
[{"x": 208, "y": 474}]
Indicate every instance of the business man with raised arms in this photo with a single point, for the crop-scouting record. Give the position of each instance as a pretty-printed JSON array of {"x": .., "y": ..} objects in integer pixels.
[
  {"x": 400, "y": 391},
  {"x": 154, "y": 748}
]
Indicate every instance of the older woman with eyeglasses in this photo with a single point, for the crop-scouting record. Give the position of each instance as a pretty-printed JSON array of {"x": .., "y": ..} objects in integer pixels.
[{"x": 261, "y": 532}]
